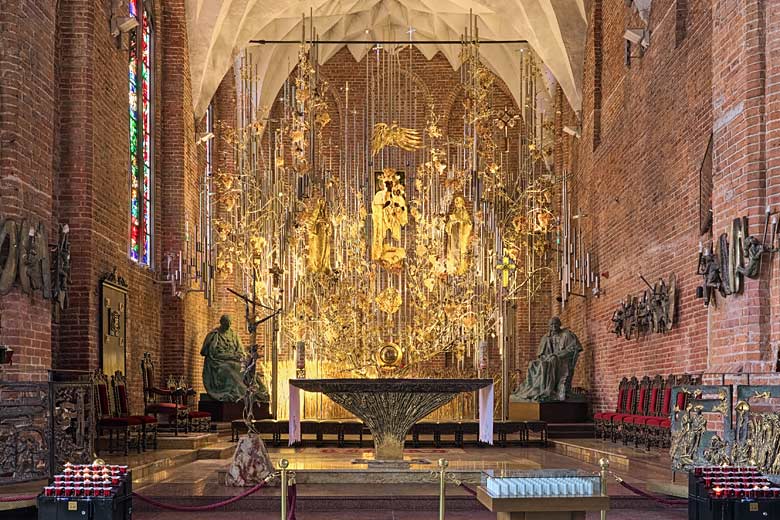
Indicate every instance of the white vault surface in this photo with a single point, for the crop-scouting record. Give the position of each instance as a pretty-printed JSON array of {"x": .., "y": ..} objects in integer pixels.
[{"x": 220, "y": 29}]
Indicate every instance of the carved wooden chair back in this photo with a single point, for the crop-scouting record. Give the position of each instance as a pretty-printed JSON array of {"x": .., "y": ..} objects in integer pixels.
[
  {"x": 684, "y": 380},
  {"x": 656, "y": 392},
  {"x": 104, "y": 403},
  {"x": 622, "y": 398},
  {"x": 643, "y": 397},
  {"x": 119, "y": 386},
  {"x": 149, "y": 379},
  {"x": 665, "y": 408},
  {"x": 631, "y": 395}
]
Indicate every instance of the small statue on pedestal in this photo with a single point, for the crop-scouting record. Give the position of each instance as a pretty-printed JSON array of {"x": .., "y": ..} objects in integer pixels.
[{"x": 550, "y": 374}]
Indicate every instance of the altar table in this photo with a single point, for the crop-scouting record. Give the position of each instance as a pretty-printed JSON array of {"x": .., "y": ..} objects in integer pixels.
[{"x": 390, "y": 407}]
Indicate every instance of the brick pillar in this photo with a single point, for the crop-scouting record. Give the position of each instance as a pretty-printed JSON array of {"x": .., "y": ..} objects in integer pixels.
[
  {"x": 27, "y": 134},
  {"x": 183, "y": 320},
  {"x": 77, "y": 342},
  {"x": 739, "y": 328}
]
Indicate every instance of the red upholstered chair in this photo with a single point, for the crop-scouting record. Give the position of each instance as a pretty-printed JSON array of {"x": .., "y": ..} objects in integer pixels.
[
  {"x": 647, "y": 409},
  {"x": 659, "y": 427},
  {"x": 129, "y": 428},
  {"x": 627, "y": 408},
  {"x": 626, "y": 423},
  {"x": 603, "y": 420},
  {"x": 148, "y": 422},
  {"x": 161, "y": 402},
  {"x": 197, "y": 421}
]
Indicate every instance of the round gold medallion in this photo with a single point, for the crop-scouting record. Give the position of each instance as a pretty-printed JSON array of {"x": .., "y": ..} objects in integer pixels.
[{"x": 389, "y": 356}]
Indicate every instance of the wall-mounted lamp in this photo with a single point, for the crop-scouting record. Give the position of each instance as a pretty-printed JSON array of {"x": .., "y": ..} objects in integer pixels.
[
  {"x": 636, "y": 38},
  {"x": 574, "y": 131},
  {"x": 122, "y": 25},
  {"x": 208, "y": 136}
]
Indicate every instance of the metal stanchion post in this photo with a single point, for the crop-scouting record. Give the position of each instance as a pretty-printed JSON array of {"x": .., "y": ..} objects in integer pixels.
[
  {"x": 283, "y": 465},
  {"x": 442, "y": 467},
  {"x": 604, "y": 464}
]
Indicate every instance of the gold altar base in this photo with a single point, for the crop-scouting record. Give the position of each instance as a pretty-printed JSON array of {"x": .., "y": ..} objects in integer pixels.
[{"x": 389, "y": 449}]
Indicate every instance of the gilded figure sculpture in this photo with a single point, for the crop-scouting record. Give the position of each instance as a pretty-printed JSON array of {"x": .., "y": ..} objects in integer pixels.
[
  {"x": 320, "y": 231},
  {"x": 458, "y": 229},
  {"x": 394, "y": 135},
  {"x": 388, "y": 214}
]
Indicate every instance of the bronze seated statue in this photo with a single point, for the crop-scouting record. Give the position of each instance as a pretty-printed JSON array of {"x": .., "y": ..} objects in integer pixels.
[
  {"x": 550, "y": 374},
  {"x": 222, "y": 367}
]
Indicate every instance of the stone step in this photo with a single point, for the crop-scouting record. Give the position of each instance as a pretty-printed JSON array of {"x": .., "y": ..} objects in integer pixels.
[
  {"x": 570, "y": 430},
  {"x": 219, "y": 450},
  {"x": 189, "y": 441}
]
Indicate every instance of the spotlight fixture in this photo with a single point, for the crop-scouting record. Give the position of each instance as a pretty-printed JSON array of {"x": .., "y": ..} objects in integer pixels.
[
  {"x": 638, "y": 37},
  {"x": 574, "y": 131},
  {"x": 208, "y": 136},
  {"x": 122, "y": 24}
]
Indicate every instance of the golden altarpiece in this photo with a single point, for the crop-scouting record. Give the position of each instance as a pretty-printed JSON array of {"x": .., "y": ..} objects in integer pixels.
[{"x": 393, "y": 244}]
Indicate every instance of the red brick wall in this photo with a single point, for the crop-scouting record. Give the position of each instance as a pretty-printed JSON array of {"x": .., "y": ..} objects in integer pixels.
[
  {"x": 638, "y": 182},
  {"x": 64, "y": 158},
  {"x": 28, "y": 99}
]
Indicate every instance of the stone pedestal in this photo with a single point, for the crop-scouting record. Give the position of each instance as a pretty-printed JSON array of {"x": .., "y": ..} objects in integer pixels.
[
  {"x": 555, "y": 412},
  {"x": 226, "y": 412},
  {"x": 251, "y": 463}
]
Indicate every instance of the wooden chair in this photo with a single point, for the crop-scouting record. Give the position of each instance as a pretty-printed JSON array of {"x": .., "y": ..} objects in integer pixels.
[
  {"x": 659, "y": 427},
  {"x": 629, "y": 405},
  {"x": 108, "y": 421},
  {"x": 647, "y": 409},
  {"x": 626, "y": 428},
  {"x": 161, "y": 402},
  {"x": 603, "y": 420},
  {"x": 148, "y": 423},
  {"x": 197, "y": 421}
]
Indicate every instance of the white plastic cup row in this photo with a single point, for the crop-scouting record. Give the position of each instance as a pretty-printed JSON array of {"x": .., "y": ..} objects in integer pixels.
[{"x": 540, "y": 487}]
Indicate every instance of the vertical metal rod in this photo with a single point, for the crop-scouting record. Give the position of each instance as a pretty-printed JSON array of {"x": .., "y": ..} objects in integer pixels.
[
  {"x": 283, "y": 464},
  {"x": 442, "y": 467},
  {"x": 604, "y": 464},
  {"x": 275, "y": 344}
]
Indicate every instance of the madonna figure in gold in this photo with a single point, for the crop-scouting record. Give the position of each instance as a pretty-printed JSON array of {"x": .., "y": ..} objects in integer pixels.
[{"x": 458, "y": 230}]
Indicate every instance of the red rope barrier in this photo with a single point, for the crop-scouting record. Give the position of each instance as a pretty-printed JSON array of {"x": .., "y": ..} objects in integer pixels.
[
  {"x": 637, "y": 491},
  {"x": 208, "y": 507},
  {"x": 23, "y": 498},
  {"x": 292, "y": 499}
]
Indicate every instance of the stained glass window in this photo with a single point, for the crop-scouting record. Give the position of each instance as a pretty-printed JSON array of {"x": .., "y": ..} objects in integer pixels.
[{"x": 140, "y": 70}]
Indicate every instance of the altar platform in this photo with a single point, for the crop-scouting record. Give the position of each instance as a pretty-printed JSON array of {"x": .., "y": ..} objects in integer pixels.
[{"x": 192, "y": 477}]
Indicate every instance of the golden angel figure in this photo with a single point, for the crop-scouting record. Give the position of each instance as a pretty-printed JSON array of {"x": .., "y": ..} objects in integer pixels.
[
  {"x": 458, "y": 230},
  {"x": 393, "y": 135}
]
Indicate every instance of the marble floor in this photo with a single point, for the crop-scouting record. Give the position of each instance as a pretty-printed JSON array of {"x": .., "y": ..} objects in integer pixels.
[{"x": 185, "y": 477}]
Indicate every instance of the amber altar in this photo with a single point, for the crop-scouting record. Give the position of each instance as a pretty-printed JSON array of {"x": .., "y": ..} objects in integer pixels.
[{"x": 390, "y": 407}]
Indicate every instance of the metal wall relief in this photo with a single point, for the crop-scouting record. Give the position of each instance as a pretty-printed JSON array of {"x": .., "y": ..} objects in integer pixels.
[{"x": 747, "y": 436}]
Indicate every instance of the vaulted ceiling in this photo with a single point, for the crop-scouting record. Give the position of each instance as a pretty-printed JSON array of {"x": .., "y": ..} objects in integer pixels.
[{"x": 220, "y": 29}]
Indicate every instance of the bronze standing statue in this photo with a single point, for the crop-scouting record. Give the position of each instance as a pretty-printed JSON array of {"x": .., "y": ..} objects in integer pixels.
[
  {"x": 222, "y": 371},
  {"x": 550, "y": 374}
]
